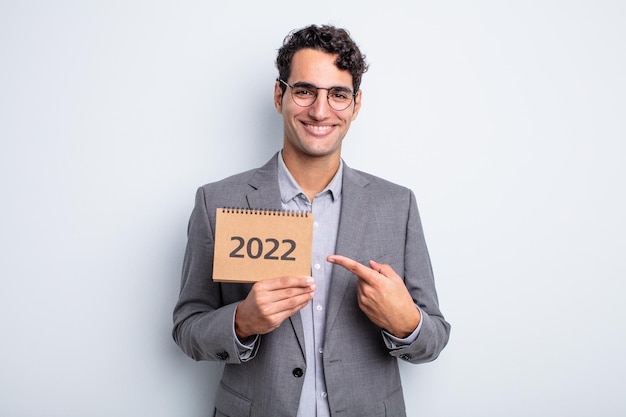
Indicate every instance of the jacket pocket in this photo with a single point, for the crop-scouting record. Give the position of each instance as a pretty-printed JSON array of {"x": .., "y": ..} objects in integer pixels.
[
  {"x": 394, "y": 404},
  {"x": 230, "y": 403}
]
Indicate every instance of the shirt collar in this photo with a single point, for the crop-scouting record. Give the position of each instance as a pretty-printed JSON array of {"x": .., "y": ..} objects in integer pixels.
[{"x": 289, "y": 188}]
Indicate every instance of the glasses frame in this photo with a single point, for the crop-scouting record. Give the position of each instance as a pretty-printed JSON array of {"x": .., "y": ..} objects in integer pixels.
[{"x": 316, "y": 88}]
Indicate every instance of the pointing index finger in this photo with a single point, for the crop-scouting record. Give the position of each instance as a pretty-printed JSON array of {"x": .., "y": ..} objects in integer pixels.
[{"x": 353, "y": 266}]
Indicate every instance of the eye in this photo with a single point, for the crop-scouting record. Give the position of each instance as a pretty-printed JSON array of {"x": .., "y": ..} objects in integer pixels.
[
  {"x": 339, "y": 95},
  {"x": 304, "y": 92}
]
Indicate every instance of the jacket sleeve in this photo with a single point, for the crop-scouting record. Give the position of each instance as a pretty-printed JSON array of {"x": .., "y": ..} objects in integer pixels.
[
  {"x": 204, "y": 313},
  {"x": 418, "y": 275}
]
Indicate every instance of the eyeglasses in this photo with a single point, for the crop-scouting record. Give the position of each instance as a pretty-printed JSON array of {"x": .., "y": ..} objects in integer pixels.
[{"x": 304, "y": 95}]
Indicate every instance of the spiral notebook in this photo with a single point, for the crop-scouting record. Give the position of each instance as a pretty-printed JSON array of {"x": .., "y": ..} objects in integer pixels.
[{"x": 252, "y": 245}]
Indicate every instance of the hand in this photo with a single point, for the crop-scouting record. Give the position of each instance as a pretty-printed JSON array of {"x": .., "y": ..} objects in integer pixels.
[
  {"x": 270, "y": 302},
  {"x": 382, "y": 296}
]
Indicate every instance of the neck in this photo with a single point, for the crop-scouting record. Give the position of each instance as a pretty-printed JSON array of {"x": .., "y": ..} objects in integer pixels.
[{"x": 312, "y": 174}]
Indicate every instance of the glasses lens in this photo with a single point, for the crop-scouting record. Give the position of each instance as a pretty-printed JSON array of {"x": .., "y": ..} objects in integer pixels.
[
  {"x": 303, "y": 96},
  {"x": 339, "y": 99}
]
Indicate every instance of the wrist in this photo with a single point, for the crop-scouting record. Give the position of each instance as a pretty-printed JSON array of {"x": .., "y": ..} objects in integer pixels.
[
  {"x": 240, "y": 328},
  {"x": 408, "y": 326}
]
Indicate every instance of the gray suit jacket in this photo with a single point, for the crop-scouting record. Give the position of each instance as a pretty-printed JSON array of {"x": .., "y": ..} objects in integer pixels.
[{"x": 380, "y": 221}]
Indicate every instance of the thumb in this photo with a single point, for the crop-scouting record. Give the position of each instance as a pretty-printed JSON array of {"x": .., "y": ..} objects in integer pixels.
[{"x": 382, "y": 269}]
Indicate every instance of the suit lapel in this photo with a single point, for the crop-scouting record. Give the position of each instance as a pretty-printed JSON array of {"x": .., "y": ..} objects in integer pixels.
[
  {"x": 350, "y": 236},
  {"x": 265, "y": 194}
]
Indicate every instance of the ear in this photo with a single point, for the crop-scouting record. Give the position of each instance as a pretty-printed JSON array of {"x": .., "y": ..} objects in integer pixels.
[
  {"x": 357, "y": 104},
  {"x": 278, "y": 97}
]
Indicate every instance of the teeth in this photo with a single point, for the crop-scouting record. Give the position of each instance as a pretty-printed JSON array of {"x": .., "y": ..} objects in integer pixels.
[{"x": 319, "y": 128}]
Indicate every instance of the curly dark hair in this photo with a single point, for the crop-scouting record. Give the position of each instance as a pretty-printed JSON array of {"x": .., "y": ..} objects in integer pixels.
[{"x": 324, "y": 38}]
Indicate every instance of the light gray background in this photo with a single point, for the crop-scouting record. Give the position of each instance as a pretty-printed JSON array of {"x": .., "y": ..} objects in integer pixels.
[{"x": 505, "y": 118}]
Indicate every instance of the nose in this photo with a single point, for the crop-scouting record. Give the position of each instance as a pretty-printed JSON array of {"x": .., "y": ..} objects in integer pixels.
[{"x": 320, "y": 109}]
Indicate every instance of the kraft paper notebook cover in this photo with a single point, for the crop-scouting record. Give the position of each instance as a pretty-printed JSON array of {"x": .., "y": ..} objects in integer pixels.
[{"x": 251, "y": 245}]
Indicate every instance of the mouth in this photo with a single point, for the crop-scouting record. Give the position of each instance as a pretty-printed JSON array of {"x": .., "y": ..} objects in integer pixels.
[{"x": 318, "y": 129}]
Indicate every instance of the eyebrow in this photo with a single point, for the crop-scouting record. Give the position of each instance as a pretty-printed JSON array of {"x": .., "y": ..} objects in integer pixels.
[{"x": 309, "y": 85}]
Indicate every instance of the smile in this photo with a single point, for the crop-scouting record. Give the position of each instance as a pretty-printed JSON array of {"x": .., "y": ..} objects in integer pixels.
[{"x": 318, "y": 129}]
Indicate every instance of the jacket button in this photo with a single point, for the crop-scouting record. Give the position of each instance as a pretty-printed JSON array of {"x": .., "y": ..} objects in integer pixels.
[
  {"x": 223, "y": 355},
  {"x": 298, "y": 372}
]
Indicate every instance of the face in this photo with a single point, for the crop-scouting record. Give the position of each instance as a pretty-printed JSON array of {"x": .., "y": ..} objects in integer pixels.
[{"x": 317, "y": 130}]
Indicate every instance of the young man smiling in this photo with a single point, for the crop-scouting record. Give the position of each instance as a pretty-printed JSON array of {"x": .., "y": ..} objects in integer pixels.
[{"x": 325, "y": 344}]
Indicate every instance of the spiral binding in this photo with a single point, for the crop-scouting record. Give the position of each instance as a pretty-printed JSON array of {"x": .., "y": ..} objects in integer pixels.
[{"x": 265, "y": 212}]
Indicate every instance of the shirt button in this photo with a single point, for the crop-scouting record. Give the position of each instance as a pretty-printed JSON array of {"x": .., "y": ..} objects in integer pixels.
[
  {"x": 316, "y": 224},
  {"x": 317, "y": 266},
  {"x": 319, "y": 307},
  {"x": 324, "y": 395},
  {"x": 321, "y": 351}
]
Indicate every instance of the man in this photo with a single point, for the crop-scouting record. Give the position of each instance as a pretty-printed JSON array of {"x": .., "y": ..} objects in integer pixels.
[{"x": 326, "y": 344}]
